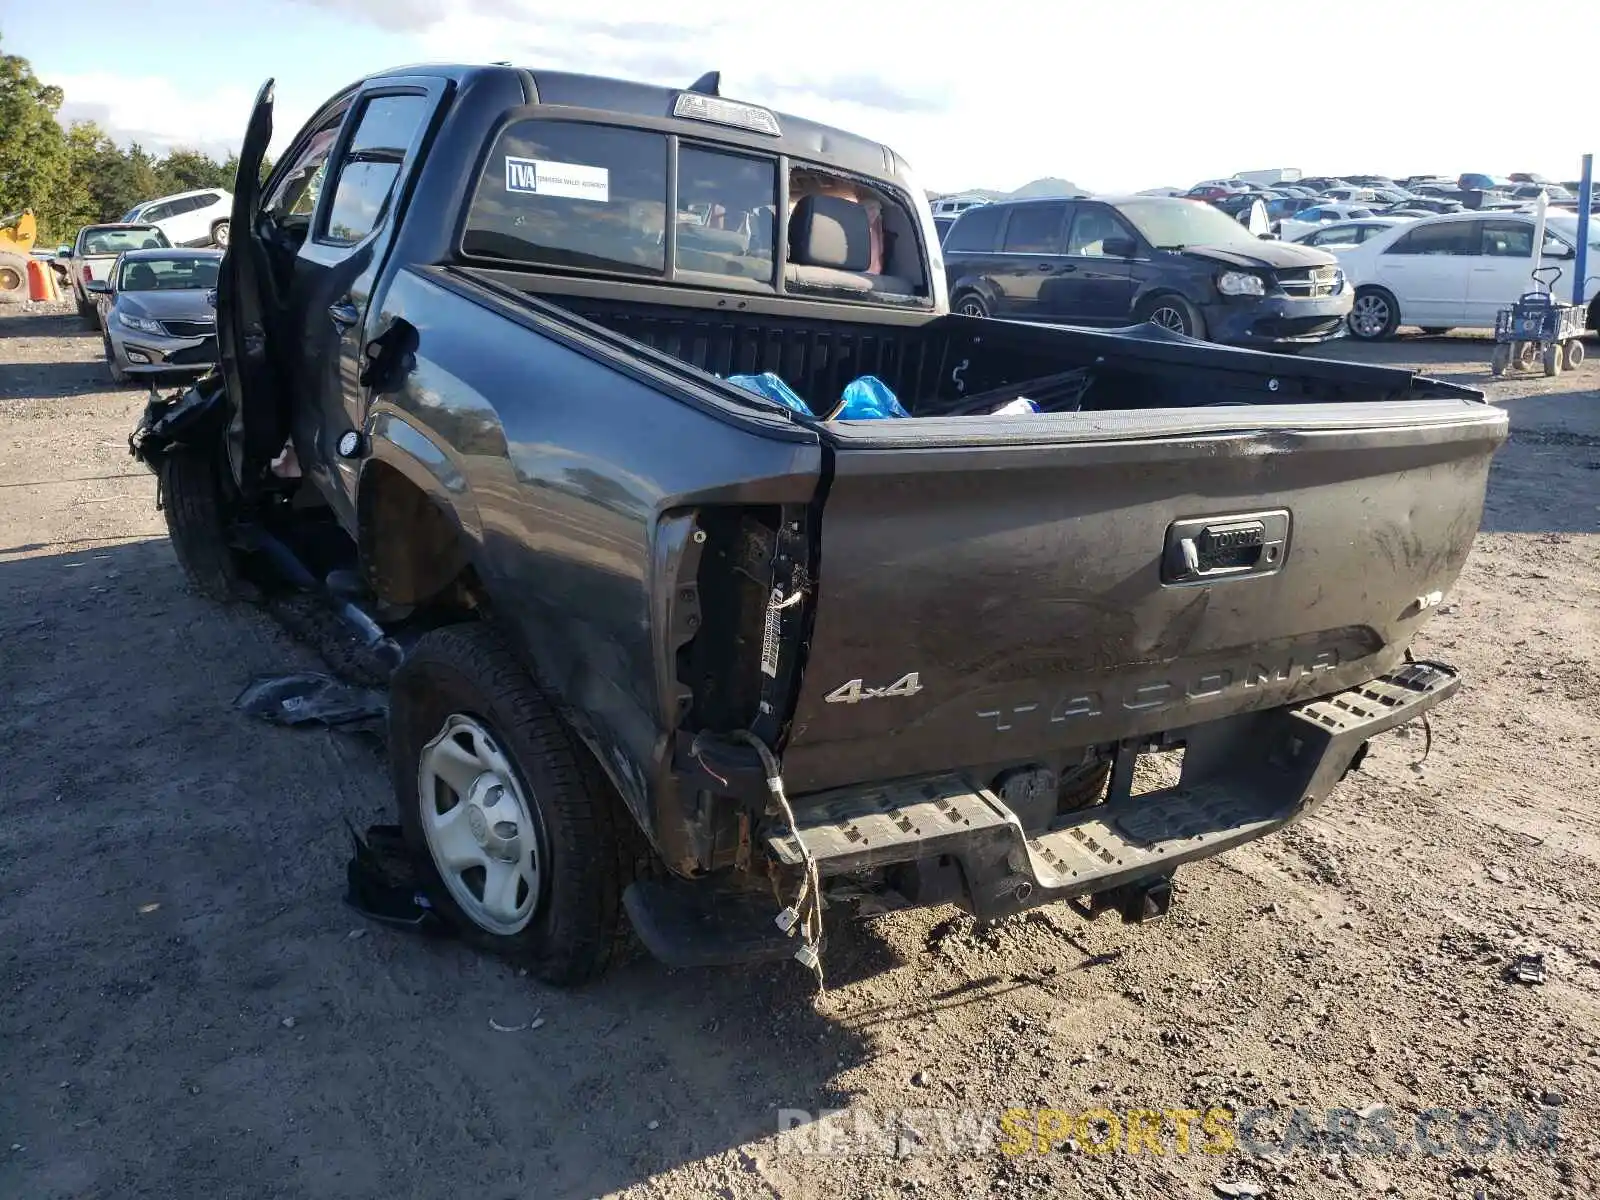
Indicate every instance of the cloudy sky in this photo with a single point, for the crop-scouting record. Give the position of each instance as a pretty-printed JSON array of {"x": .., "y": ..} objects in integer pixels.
[{"x": 983, "y": 93}]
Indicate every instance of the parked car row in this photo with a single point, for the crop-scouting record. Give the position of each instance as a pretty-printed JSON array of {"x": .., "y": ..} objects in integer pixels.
[
  {"x": 152, "y": 302},
  {"x": 1189, "y": 267}
]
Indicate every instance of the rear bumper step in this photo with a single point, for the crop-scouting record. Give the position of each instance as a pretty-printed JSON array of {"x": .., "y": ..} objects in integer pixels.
[{"x": 1243, "y": 777}]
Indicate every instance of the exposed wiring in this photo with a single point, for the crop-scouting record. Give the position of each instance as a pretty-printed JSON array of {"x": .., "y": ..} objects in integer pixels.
[
  {"x": 694, "y": 753},
  {"x": 805, "y": 910}
]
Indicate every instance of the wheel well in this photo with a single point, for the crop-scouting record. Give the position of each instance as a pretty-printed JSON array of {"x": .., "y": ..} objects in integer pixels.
[
  {"x": 412, "y": 552},
  {"x": 1148, "y": 301}
]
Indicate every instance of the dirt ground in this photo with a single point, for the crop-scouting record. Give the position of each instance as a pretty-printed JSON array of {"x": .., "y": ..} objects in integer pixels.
[{"x": 187, "y": 1008}]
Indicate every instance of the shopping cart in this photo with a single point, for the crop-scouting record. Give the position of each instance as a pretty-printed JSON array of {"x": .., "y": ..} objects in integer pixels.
[{"x": 1538, "y": 328}]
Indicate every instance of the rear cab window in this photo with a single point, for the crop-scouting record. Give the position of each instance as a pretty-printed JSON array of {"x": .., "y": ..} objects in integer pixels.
[{"x": 598, "y": 198}]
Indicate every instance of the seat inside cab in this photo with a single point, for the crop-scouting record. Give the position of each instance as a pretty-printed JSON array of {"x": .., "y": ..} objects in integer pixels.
[{"x": 850, "y": 244}]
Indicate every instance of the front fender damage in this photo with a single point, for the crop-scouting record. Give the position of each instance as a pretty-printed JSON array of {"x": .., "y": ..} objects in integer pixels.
[{"x": 195, "y": 415}]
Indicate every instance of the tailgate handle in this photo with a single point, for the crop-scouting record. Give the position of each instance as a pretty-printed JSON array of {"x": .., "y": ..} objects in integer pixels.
[{"x": 1203, "y": 550}]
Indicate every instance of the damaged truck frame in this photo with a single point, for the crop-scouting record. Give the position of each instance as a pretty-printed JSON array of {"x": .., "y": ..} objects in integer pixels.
[{"x": 667, "y": 647}]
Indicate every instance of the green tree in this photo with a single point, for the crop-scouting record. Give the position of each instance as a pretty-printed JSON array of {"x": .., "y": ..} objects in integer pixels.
[
  {"x": 33, "y": 151},
  {"x": 189, "y": 170}
]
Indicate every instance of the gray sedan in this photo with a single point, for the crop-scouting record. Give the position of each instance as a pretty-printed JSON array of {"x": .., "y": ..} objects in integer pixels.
[{"x": 158, "y": 313}]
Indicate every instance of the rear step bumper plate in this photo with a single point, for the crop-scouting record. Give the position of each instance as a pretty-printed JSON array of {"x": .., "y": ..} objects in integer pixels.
[{"x": 1242, "y": 777}]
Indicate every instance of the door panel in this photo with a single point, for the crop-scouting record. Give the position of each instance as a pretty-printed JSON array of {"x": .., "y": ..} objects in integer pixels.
[
  {"x": 1428, "y": 269},
  {"x": 255, "y": 432},
  {"x": 1030, "y": 255},
  {"x": 1502, "y": 272},
  {"x": 1091, "y": 287},
  {"x": 337, "y": 268}
]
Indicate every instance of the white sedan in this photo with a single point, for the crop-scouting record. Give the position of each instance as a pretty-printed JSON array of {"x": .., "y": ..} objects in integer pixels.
[
  {"x": 1307, "y": 219},
  {"x": 1458, "y": 271}
]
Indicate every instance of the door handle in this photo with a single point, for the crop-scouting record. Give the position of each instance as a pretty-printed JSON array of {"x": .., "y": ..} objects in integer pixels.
[{"x": 344, "y": 314}]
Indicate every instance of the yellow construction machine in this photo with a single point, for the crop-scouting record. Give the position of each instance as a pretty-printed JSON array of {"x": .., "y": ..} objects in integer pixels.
[{"x": 17, "y": 234}]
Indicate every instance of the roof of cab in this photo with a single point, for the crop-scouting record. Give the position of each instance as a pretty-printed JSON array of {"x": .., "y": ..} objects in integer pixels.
[{"x": 798, "y": 137}]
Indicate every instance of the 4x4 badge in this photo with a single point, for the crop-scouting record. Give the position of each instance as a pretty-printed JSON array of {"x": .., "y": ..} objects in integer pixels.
[{"x": 853, "y": 692}]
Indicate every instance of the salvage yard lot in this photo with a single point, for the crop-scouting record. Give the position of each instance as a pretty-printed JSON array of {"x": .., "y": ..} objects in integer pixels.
[{"x": 189, "y": 1009}]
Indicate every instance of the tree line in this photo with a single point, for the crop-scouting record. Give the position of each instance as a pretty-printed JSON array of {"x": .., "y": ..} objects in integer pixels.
[{"x": 78, "y": 176}]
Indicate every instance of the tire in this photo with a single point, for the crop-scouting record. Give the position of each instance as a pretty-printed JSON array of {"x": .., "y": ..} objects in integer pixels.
[
  {"x": 1082, "y": 788},
  {"x": 971, "y": 305},
  {"x": 1374, "y": 316},
  {"x": 1572, "y": 359},
  {"x": 1437, "y": 330},
  {"x": 89, "y": 313},
  {"x": 219, "y": 235},
  {"x": 198, "y": 519},
  {"x": 118, "y": 375},
  {"x": 13, "y": 278},
  {"x": 1552, "y": 359},
  {"x": 462, "y": 685},
  {"x": 1173, "y": 313},
  {"x": 1500, "y": 360}
]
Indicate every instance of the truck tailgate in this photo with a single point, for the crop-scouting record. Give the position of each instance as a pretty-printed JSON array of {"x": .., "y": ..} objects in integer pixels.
[{"x": 1058, "y": 581}]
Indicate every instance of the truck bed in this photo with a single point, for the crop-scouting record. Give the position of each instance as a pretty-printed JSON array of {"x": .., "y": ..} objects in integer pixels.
[
  {"x": 936, "y": 364},
  {"x": 1215, "y": 533}
]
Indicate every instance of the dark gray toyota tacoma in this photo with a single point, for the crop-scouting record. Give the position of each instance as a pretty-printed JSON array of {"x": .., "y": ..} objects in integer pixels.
[{"x": 670, "y": 647}]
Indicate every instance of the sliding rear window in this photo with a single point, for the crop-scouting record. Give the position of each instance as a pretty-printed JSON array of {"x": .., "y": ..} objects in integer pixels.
[
  {"x": 569, "y": 195},
  {"x": 576, "y": 196}
]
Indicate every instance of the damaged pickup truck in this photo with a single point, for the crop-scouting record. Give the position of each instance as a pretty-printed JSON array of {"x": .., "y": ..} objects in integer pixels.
[{"x": 497, "y": 351}]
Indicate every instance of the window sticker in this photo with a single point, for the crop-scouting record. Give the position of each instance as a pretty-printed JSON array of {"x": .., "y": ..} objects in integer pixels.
[{"x": 574, "y": 181}]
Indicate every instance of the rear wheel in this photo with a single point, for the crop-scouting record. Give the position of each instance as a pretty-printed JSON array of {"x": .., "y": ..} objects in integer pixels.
[
  {"x": 219, "y": 234},
  {"x": 1501, "y": 359},
  {"x": 972, "y": 305},
  {"x": 1552, "y": 359},
  {"x": 1374, "y": 316},
  {"x": 1173, "y": 313},
  {"x": 522, "y": 844},
  {"x": 194, "y": 497},
  {"x": 1574, "y": 354}
]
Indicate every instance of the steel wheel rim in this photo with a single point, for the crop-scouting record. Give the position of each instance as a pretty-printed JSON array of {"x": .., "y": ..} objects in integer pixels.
[
  {"x": 10, "y": 280},
  {"x": 1370, "y": 315},
  {"x": 480, "y": 827},
  {"x": 1169, "y": 318}
]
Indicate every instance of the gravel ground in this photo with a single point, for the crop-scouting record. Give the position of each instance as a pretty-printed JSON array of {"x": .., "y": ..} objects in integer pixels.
[{"x": 189, "y": 1008}]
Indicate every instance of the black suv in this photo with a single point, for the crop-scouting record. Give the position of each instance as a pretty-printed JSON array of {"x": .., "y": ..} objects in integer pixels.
[{"x": 1178, "y": 263}]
